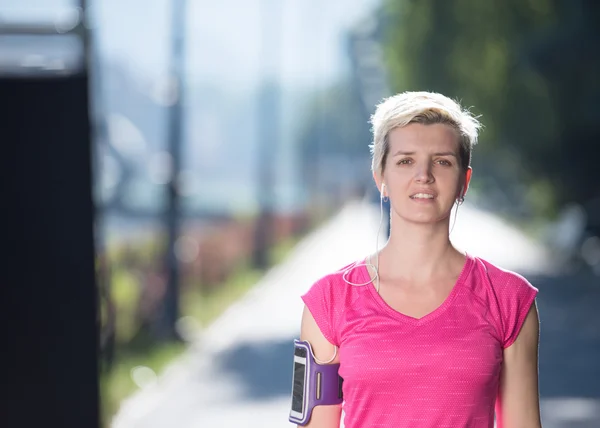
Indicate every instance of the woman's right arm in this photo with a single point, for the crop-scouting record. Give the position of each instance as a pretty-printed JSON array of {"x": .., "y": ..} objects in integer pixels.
[{"x": 322, "y": 416}]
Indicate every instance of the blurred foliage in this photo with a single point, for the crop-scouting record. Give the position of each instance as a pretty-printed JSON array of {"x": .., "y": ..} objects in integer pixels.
[
  {"x": 530, "y": 68},
  {"x": 117, "y": 384},
  {"x": 205, "y": 307},
  {"x": 131, "y": 271}
]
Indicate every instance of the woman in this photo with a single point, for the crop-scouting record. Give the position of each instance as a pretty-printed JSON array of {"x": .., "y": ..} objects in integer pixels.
[{"x": 426, "y": 335}]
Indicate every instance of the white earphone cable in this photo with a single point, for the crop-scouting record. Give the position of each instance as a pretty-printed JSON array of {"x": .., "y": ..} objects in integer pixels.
[{"x": 368, "y": 262}]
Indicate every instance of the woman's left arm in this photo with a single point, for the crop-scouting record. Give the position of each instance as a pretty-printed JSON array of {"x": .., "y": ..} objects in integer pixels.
[{"x": 518, "y": 400}]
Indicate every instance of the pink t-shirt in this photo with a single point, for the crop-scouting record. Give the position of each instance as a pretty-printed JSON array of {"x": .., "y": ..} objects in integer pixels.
[{"x": 441, "y": 370}]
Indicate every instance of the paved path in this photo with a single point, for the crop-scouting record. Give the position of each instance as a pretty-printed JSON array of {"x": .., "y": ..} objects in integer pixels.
[{"x": 237, "y": 372}]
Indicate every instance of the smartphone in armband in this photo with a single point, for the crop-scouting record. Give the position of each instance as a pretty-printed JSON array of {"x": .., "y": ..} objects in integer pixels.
[
  {"x": 313, "y": 384},
  {"x": 300, "y": 384}
]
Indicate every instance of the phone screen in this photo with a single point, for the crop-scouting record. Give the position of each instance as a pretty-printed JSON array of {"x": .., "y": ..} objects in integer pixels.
[
  {"x": 298, "y": 390},
  {"x": 299, "y": 383}
]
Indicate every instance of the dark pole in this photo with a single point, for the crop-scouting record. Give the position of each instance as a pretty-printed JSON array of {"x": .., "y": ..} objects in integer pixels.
[
  {"x": 48, "y": 305},
  {"x": 268, "y": 136},
  {"x": 170, "y": 310}
]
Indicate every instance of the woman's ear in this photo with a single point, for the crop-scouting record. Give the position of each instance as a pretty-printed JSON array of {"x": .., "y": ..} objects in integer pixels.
[
  {"x": 378, "y": 182},
  {"x": 465, "y": 186}
]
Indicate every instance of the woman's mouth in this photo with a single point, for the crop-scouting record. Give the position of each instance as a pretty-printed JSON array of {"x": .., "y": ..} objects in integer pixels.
[{"x": 422, "y": 196}]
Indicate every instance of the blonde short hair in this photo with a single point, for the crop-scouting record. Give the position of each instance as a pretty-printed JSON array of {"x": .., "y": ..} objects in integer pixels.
[{"x": 427, "y": 108}]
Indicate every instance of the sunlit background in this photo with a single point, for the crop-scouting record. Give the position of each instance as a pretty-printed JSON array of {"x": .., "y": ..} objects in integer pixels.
[{"x": 232, "y": 169}]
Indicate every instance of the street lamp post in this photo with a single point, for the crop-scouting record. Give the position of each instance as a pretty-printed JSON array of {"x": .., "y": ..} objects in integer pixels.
[
  {"x": 269, "y": 126},
  {"x": 170, "y": 309}
]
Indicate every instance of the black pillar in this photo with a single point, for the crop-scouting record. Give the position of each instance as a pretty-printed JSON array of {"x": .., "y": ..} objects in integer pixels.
[{"x": 48, "y": 300}]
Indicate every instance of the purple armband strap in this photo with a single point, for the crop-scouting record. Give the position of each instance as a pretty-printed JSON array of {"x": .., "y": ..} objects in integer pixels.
[{"x": 314, "y": 384}]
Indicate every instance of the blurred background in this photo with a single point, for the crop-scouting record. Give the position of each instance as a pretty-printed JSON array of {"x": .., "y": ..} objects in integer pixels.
[{"x": 229, "y": 164}]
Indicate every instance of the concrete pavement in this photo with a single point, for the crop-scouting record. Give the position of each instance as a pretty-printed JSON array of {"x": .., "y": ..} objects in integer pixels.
[{"x": 237, "y": 372}]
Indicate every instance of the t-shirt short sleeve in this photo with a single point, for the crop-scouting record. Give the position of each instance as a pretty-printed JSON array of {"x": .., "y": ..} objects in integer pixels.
[
  {"x": 515, "y": 296},
  {"x": 324, "y": 301}
]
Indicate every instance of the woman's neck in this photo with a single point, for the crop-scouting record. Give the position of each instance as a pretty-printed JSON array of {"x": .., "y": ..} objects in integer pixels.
[{"x": 419, "y": 252}]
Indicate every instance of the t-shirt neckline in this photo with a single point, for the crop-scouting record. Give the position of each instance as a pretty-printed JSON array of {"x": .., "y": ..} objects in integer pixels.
[{"x": 466, "y": 270}]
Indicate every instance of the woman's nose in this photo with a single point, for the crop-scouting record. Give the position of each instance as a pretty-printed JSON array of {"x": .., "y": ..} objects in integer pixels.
[{"x": 423, "y": 173}]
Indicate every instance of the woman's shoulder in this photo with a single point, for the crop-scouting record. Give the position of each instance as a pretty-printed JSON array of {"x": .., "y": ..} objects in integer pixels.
[
  {"x": 495, "y": 275},
  {"x": 508, "y": 296},
  {"x": 329, "y": 296},
  {"x": 341, "y": 279},
  {"x": 493, "y": 283}
]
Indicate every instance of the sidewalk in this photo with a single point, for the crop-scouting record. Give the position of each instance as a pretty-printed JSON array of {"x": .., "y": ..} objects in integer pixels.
[{"x": 238, "y": 372}]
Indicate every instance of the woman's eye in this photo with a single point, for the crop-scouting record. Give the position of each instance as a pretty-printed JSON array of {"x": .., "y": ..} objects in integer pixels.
[
  {"x": 404, "y": 161},
  {"x": 444, "y": 162}
]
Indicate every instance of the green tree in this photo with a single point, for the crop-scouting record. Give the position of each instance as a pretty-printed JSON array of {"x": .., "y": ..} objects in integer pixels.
[{"x": 501, "y": 56}]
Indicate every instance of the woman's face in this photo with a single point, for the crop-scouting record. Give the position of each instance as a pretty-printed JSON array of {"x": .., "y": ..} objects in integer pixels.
[{"x": 422, "y": 174}]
